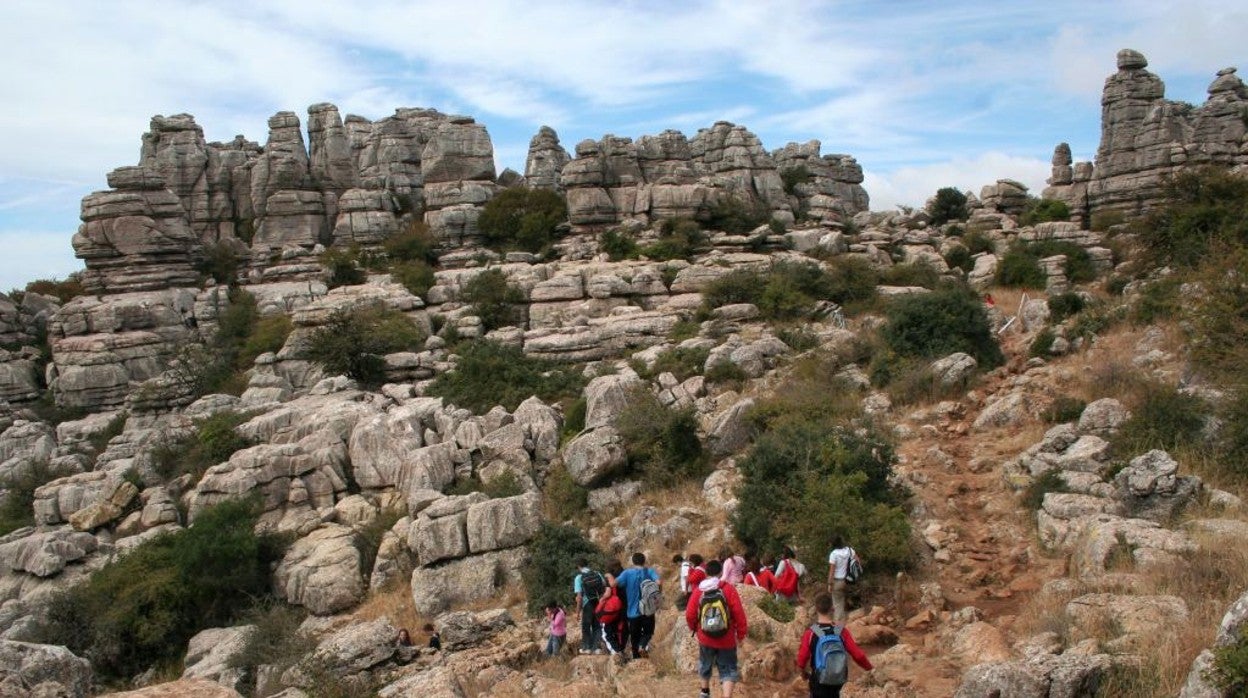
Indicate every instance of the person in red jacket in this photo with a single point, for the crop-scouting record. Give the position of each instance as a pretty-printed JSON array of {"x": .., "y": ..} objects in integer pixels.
[
  {"x": 806, "y": 650},
  {"x": 717, "y": 650},
  {"x": 697, "y": 571}
]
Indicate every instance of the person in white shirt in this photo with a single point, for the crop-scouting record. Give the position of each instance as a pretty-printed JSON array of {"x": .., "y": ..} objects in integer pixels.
[{"x": 838, "y": 567}]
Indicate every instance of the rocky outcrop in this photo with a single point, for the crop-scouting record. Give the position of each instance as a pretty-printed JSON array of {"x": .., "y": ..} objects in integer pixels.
[
  {"x": 29, "y": 671},
  {"x": 833, "y": 192},
  {"x": 545, "y": 161},
  {"x": 1146, "y": 138}
]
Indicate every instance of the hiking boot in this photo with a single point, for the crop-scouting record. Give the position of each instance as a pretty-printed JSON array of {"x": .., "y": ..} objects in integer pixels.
[{"x": 643, "y": 653}]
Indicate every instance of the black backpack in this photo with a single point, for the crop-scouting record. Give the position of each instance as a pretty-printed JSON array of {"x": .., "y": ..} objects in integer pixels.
[{"x": 593, "y": 584}]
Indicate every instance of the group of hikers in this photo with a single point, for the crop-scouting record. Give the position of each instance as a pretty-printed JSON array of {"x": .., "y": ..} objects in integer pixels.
[{"x": 617, "y": 609}]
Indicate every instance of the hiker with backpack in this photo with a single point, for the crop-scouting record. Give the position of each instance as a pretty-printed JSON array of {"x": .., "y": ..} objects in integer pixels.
[
  {"x": 758, "y": 575},
  {"x": 643, "y": 596},
  {"x": 610, "y": 611},
  {"x": 788, "y": 573},
  {"x": 734, "y": 566},
  {"x": 589, "y": 586},
  {"x": 824, "y": 653},
  {"x": 716, "y": 617},
  {"x": 844, "y": 568},
  {"x": 697, "y": 571}
]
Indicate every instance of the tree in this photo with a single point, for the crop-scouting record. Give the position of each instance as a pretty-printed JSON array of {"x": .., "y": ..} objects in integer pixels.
[
  {"x": 949, "y": 205},
  {"x": 522, "y": 218}
]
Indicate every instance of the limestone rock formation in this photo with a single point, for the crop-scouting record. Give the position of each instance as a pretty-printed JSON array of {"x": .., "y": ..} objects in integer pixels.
[
  {"x": 1145, "y": 138},
  {"x": 546, "y": 160}
]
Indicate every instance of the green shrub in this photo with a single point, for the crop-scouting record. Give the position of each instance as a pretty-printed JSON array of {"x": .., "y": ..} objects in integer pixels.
[
  {"x": 17, "y": 502},
  {"x": 959, "y": 257},
  {"x": 1205, "y": 209},
  {"x": 793, "y": 176},
  {"x": 1042, "y": 345},
  {"x": 213, "y": 441},
  {"x": 948, "y": 205},
  {"x": 416, "y": 276},
  {"x": 934, "y": 325},
  {"x": 493, "y": 299},
  {"x": 219, "y": 263},
  {"x": 342, "y": 267},
  {"x": 1164, "y": 419},
  {"x": 852, "y": 281},
  {"x": 794, "y": 473},
  {"x": 355, "y": 340},
  {"x": 63, "y": 289},
  {"x": 1044, "y": 210},
  {"x": 679, "y": 238},
  {"x": 682, "y": 362},
  {"x": 662, "y": 444},
  {"x": 564, "y": 498},
  {"x": 978, "y": 242},
  {"x": 1104, "y": 220},
  {"x": 551, "y": 567},
  {"x": 737, "y": 286},
  {"x": 1064, "y": 409},
  {"x": 1065, "y": 305},
  {"x": 1019, "y": 269},
  {"x": 799, "y": 339},
  {"x": 522, "y": 218},
  {"x": 141, "y": 609},
  {"x": 1050, "y": 481},
  {"x": 684, "y": 329},
  {"x": 618, "y": 245},
  {"x": 910, "y": 382},
  {"x": 268, "y": 334},
  {"x": 726, "y": 373},
  {"x": 277, "y": 639},
  {"x": 415, "y": 244},
  {"x": 811, "y": 391},
  {"x": 736, "y": 216},
  {"x": 1078, "y": 268},
  {"x": 489, "y": 374},
  {"x": 789, "y": 290},
  {"x": 911, "y": 274},
  {"x": 776, "y": 609},
  {"x": 1157, "y": 300},
  {"x": 1230, "y": 667}
]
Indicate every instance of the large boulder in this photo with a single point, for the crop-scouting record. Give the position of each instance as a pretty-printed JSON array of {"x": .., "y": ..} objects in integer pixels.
[
  {"x": 322, "y": 572},
  {"x": 1002, "y": 679},
  {"x": 594, "y": 456},
  {"x": 211, "y": 654},
  {"x": 606, "y": 397},
  {"x": 1150, "y": 487},
  {"x": 434, "y": 589},
  {"x": 504, "y": 523},
  {"x": 732, "y": 430},
  {"x": 28, "y": 669},
  {"x": 463, "y": 629}
]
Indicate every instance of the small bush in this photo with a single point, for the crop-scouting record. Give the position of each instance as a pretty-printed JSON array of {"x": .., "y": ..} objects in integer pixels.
[
  {"x": 277, "y": 639},
  {"x": 618, "y": 245},
  {"x": 1104, "y": 220},
  {"x": 736, "y": 216},
  {"x": 489, "y": 374},
  {"x": 548, "y": 574},
  {"x": 737, "y": 286},
  {"x": 1044, "y": 210},
  {"x": 342, "y": 268},
  {"x": 17, "y": 502},
  {"x": 1164, "y": 419},
  {"x": 1064, "y": 409},
  {"x": 1050, "y": 481},
  {"x": 219, "y": 263},
  {"x": 214, "y": 440},
  {"x": 1157, "y": 300},
  {"x": 1205, "y": 209},
  {"x": 679, "y": 238},
  {"x": 141, "y": 609},
  {"x": 934, "y": 325},
  {"x": 684, "y": 329},
  {"x": 959, "y": 257},
  {"x": 416, "y": 276},
  {"x": 811, "y": 391},
  {"x": 949, "y": 204},
  {"x": 522, "y": 218},
  {"x": 415, "y": 244},
  {"x": 682, "y": 362},
  {"x": 799, "y": 339},
  {"x": 776, "y": 609},
  {"x": 1078, "y": 268},
  {"x": 910, "y": 382},
  {"x": 63, "y": 289},
  {"x": 793, "y": 176},
  {"x": 493, "y": 299},
  {"x": 789, "y": 290},
  {"x": 1065, "y": 305},
  {"x": 726, "y": 373},
  {"x": 852, "y": 281},
  {"x": 574, "y": 416},
  {"x": 1230, "y": 667},
  {"x": 564, "y": 499},
  {"x": 912, "y": 274},
  {"x": 1116, "y": 285},
  {"x": 268, "y": 334},
  {"x": 354, "y": 341},
  {"x": 978, "y": 242},
  {"x": 1042, "y": 345},
  {"x": 662, "y": 444},
  {"x": 1018, "y": 269}
]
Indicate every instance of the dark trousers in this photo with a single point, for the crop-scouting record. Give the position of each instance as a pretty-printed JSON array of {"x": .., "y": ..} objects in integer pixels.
[
  {"x": 589, "y": 628},
  {"x": 640, "y": 630},
  {"x": 818, "y": 690}
]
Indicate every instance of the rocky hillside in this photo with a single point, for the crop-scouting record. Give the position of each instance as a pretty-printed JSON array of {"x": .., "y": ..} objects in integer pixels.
[{"x": 304, "y": 396}]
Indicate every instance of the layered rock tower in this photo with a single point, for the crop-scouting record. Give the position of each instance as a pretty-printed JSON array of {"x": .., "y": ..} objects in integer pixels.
[{"x": 1145, "y": 138}]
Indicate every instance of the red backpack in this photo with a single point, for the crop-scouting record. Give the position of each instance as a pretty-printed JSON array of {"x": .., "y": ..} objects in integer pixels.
[
  {"x": 609, "y": 608},
  {"x": 786, "y": 582}
]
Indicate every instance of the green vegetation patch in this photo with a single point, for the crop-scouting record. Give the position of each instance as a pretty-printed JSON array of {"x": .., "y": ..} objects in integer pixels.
[{"x": 489, "y": 374}]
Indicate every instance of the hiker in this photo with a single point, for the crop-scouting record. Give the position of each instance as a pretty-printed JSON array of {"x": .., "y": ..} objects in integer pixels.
[
  {"x": 697, "y": 571},
  {"x": 758, "y": 575},
  {"x": 821, "y": 656},
  {"x": 684, "y": 567},
  {"x": 734, "y": 566},
  {"x": 435, "y": 639},
  {"x": 558, "y": 620},
  {"x": 610, "y": 611},
  {"x": 838, "y": 571},
  {"x": 788, "y": 572},
  {"x": 716, "y": 617},
  {"x": 642, "y": 599},
  {"x": 589, "y": 586},
  {"x": 405, "y": 638}
]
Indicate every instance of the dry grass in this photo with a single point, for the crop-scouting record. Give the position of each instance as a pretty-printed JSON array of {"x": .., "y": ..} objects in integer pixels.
[{"x": 394, "y": 603}]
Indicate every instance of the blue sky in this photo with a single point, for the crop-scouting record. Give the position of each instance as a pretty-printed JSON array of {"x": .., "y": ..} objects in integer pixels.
[{"x": 923, "y": 94}]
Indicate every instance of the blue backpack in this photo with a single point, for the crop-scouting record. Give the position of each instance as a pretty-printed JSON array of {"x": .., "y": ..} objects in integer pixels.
[{"x": 831, "y": 659}]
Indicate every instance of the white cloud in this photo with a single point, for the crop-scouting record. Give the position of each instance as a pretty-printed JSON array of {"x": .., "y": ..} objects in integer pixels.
[
  {"x": 912, "y": 186},
  {"x": 35, "y": 254}
]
